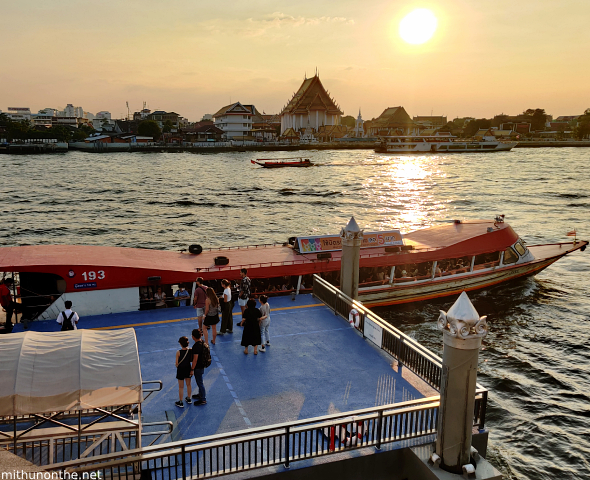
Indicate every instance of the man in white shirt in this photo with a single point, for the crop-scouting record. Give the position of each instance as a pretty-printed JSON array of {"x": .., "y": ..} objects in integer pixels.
[{"x": 68, "y": 319}]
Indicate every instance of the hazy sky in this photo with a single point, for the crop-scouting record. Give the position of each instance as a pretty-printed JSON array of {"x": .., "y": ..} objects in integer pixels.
[{"x": 193, "y": 56}]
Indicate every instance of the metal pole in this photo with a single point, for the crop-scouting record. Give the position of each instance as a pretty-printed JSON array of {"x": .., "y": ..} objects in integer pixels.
[{"x": 287, "y": 446}]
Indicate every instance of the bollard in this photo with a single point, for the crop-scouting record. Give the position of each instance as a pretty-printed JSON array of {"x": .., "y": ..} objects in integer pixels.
[
  {"x": 463, "y": 331},
  {"x": 352, "y": 238}
]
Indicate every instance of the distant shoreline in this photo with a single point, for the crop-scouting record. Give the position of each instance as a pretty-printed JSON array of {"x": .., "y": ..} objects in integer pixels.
[{"x": 122, "y": 147}]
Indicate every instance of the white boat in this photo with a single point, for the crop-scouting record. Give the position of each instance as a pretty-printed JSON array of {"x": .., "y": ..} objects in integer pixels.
[{"x": 439, "y": 144}]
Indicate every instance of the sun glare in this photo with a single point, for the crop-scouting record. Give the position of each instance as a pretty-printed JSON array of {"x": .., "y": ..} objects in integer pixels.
[{"x": 418, "y": 26}]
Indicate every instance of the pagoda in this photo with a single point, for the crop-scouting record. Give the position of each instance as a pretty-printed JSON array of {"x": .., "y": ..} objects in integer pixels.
[{"x": 310, "y": 106}]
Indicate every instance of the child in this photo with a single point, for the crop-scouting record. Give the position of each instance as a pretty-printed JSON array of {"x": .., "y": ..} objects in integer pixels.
[
  {"x": 184, "y": 359},
  {"x": 264, "y": 322}
]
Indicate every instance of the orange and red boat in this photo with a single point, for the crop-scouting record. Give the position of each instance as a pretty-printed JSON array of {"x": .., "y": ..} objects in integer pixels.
[
  {"x": 282, "y": 162},
  {"x": 394, "y": 268}
]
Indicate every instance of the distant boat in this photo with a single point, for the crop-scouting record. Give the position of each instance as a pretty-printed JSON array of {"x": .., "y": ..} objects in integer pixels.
[
  {"x": 282, "y": 162},
  {"x": 438, "y": 144}
]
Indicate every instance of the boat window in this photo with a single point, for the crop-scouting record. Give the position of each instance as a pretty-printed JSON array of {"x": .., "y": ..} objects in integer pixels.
[
  {"x": 510, "y": 256},
  {"x": 413, "y": 271},
  {"x": 520, "y": 249},
  {"x": 486, "y": 260},
  {"x": 369, "y": 276},
  {"x": 454, "y": 265},
  {"x": 280, "y": 285}
]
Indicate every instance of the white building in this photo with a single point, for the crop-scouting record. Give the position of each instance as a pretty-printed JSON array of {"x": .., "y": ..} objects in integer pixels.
[
  {"x": 359, "y": 131},
  {"x": 235, "y": 120},
  {"x": 18, "y": 114}
]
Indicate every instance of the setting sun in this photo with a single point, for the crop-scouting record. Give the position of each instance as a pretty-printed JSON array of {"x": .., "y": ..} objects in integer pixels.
[{"x": 418, "y": 26}]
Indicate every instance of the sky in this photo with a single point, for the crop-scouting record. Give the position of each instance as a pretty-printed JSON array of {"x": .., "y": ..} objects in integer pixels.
[{"x": 195, "y": 56}]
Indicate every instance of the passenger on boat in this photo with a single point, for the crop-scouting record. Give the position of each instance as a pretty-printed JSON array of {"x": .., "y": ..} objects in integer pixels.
[
  {"x": 160, "y": 298},
  {"x": 437, "y": 271},
  {"x": 8, "y": 305},
  {"x": 264, "y": 323},
  {"x": 182, "y": 296}
]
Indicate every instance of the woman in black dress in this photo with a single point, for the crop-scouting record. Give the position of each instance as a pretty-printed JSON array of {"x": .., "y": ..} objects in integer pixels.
[
  {"x": 211, "y": 315},
  {"x": 251, "y": 324},
  {"x": 184, "y": 359}
]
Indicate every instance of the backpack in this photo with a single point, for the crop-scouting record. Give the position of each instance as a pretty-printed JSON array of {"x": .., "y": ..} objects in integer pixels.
[
  {"x": 206, "y": 359},
  {"x": 67, "y": 323}
]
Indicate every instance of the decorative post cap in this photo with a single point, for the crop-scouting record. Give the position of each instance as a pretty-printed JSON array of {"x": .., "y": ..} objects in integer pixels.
[
  {"x": 352, "y": 231},
  {"x": 462, "y": 320}
]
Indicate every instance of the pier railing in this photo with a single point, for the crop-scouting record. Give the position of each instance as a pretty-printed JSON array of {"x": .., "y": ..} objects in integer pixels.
[
  {"x": 273, "y": 445},
  {"x": 405, "y": 350}
]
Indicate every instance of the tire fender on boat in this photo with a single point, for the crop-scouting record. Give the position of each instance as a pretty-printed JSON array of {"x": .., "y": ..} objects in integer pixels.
[{"x": 195, "y": 249}]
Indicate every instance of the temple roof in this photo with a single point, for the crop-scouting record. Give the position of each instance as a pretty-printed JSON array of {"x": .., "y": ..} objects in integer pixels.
[
  {"x": 311, "y": 96},
  {"x": 237, "y": 108},
  {"x": 392, "y": 117}
]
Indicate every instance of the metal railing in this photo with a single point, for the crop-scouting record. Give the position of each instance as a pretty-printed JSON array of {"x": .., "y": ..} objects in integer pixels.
[
  {"x": 285, "y": 443},
  {"x": 402, "y": 348}
]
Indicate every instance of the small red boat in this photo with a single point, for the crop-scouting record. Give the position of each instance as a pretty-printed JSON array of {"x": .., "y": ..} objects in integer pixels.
[{"x": 282, "y": 162}]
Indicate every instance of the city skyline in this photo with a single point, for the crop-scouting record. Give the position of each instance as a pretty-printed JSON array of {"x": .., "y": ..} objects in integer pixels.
[{"x": 482, "y": 60}]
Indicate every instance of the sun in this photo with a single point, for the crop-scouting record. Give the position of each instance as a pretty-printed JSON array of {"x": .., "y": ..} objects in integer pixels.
[{"x": 418, "y": 26}]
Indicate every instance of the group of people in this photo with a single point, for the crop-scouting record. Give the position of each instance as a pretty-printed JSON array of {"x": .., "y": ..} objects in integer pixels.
[{"x": 255, "y": 321}]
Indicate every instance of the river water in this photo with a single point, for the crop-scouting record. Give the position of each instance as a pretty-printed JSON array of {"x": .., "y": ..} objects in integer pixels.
[{"x": 536, "y": 358}]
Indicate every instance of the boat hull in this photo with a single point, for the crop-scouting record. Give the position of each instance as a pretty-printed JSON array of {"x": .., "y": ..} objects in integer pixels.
[{"x": 442, "y": 286}]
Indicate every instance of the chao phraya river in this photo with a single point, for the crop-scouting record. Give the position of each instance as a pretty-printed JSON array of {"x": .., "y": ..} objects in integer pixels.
[{"x": 536, "y": 358}]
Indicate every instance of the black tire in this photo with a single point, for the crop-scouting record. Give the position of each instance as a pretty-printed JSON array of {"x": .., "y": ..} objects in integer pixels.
[
  {"x": 221, "y": 260},
  {"x": 195, "y": 249}
]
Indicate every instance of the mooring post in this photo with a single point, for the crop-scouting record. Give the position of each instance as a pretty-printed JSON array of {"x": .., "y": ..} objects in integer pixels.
[
  {"x": 352, "y": 238},
  {"x": 463, "y": 330}
]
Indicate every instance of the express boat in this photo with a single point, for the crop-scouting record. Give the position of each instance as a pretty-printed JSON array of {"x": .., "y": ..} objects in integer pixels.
[
  {"x": 439, "y": 143},
  {"x": 394, "y": 267},
  {"x": 282, "y": 162}
]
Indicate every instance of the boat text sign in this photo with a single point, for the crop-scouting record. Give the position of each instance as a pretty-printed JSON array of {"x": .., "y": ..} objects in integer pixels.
[
  {"x": 373, "y": 332},
  {"x": 328, "y": 243}
]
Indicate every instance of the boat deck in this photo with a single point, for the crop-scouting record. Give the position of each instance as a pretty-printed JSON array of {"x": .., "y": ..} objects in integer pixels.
[{"x": 316, "y": 365}]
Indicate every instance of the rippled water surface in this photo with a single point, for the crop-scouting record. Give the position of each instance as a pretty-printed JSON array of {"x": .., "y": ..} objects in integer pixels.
[{"x": 536, "y": 358}]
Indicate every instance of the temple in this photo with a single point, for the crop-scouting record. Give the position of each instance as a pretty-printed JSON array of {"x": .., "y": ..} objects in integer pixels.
[
  {"x": 393, "y": 121},
  {"x": 310, "y": 107}
]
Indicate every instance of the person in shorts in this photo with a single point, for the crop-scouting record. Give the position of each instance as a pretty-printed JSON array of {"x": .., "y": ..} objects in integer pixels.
[
  {"x": 199, "y": 301},
  {"x": 245, "y": 289},
  {"x": 184, "y": 360}
]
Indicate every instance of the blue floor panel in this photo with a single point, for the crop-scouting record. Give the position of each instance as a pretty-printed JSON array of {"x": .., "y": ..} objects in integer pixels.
[{"x": 316, "y": 365}]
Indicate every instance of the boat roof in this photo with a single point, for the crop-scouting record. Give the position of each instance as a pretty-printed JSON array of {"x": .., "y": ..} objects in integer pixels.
[{"x": 448, "y": 240}]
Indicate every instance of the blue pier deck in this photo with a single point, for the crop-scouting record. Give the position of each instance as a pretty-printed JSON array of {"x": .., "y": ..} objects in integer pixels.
[{"x": 316, "y": 365}]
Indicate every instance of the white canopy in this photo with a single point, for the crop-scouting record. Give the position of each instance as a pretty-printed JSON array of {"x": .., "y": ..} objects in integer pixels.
[{"x": 82, "y": 369}]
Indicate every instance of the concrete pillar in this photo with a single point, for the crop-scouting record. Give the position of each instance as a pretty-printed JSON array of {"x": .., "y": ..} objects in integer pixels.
[
  {"x": 463, "y": 331},
  {"x": 352, "y": 238}
]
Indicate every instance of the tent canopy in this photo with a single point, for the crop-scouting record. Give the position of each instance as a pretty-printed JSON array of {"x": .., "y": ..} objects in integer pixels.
[{"x": 74, "y": 370}]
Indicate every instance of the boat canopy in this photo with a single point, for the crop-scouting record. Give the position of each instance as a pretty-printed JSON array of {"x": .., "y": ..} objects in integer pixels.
[{"x": 44, "y": 372}]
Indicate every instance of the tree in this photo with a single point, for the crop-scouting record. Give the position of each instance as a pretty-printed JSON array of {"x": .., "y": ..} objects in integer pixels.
[
  {"x": 83, "y": 132},
  {"x": 348, "y": 121},
  {"x": 538, "y": 117},
  {"x": 149, "y": 128},
  {"x": 168, "y": 126},
  {"x": 17, "y": 130},
  {"x": 582, "y": 129},
  {"x": 61, "y": 133}
]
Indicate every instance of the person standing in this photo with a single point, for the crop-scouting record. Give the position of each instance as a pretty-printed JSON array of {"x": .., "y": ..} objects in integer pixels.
[
  {"x": 245, "y": 288},
  {"x": 184, "y": 360},
  {"x": 198, "y": 368},
  {"x": 7, "y": 303},
  {"x": 251, "y": 324},
  {"x": 264, "y": 323},
  {"x": 226, "y": 310},
  {"x": 200, "y": 300},
  {"x": 68, "y": 319},
  {"x": 182, "y": 296},
  {"x": 211, "y": 315},
  {"x": 160, "y": 298}
]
